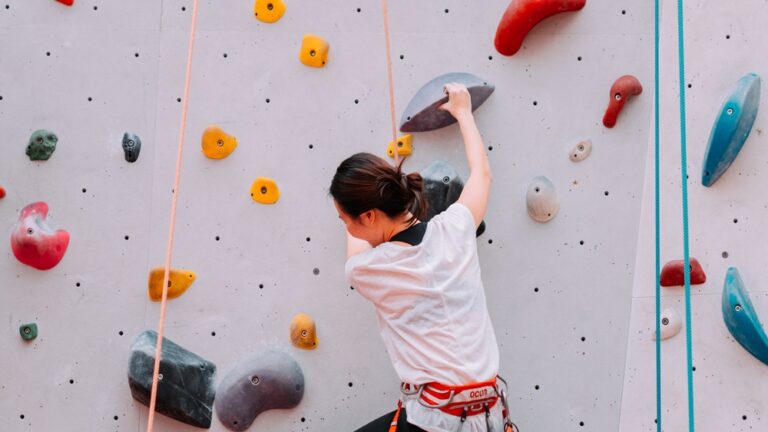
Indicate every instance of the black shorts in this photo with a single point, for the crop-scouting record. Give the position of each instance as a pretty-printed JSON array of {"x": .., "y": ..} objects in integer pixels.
[{"x": 382, "y": 423}]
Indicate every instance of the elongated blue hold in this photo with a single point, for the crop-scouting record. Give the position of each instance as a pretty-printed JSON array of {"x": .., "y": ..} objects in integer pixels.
[
  {"x": 422, "y": 114},
  {"x": 731, "y": 128},
  {"x": 740, "y": 317}
]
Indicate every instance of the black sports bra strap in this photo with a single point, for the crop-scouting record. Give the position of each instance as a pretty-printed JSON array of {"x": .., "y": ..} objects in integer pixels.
[{"x": 411, "y": 235}]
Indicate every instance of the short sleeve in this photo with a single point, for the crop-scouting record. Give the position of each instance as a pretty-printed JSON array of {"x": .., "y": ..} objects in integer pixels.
[{"x": 457, "y": 218}]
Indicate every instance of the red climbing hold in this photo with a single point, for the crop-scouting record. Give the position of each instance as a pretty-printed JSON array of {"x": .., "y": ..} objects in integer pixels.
[
  {"x": 672, "y": 273},
  {"x": 34, "y": 243},
  {"x": 2, "y": 192},
  {"x": 66, "y": 2},
  {"x": 522, "y": 15},
  {"x": 621, "y": 90}
]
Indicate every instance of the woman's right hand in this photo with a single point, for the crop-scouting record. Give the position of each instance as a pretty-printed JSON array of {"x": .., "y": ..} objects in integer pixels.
[{"x": 459, "y": 101}]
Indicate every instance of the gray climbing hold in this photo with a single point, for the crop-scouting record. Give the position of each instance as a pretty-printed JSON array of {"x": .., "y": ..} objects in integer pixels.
[
  {"x": 270, "y": 380},
  {"x": 442, "y": 187},
  {"x": 41, "y": 144},
  {"x": 185, "y": 391},
  {"x": 422, "y": 114},
  {"x": 541, "y": 200},
  {"x": 131, "y": 146}
]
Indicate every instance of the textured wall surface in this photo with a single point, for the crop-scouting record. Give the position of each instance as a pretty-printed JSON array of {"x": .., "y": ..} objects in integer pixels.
[{"x": 559, "y": 293}]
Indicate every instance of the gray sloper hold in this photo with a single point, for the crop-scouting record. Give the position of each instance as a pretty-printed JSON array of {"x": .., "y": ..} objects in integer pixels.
[
  {"x": 541, "y": 199},
  {"x": 442, "y": 187},
  {"x": 131, "y": 146},
  {"x": 185, "y": 391},
  {"x": 270, "y": 380},
  {"x": 422, "y": 114}
]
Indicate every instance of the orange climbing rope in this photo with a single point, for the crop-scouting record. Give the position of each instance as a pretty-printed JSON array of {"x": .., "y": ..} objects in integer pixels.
[
  {"x": 391, "y": 81},
  {"x": 172, "y": 226}
]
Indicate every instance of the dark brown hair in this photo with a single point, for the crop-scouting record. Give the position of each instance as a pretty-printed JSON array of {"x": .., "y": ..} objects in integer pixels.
[{"x": 365, "y": 181}]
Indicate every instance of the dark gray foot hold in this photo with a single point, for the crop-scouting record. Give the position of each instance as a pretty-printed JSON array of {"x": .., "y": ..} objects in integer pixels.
[
  {"x": 185, "y": 391},
  {"x": 268, "y": 381},
  {"x": 442, "y": 187},
  {"x": 422, "y": 114},
  {"x": 131, "y": 146}
]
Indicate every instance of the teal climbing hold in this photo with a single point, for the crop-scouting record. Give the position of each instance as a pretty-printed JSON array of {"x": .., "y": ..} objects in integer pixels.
[
  {"x": 28, "y": 332},
  {"x": 740, "y": 317},
  {"x": 731, "y": 128},
  {"x": 41, "y": 145}
]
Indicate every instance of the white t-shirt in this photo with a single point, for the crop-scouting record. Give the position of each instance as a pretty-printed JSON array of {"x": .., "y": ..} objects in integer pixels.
[{"x": 432, "y": 313}]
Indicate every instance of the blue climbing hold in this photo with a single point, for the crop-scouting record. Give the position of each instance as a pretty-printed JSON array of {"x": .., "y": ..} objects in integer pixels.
[
  {"x": 740, "y": 317},
  {"x": 731, "y": 128}
]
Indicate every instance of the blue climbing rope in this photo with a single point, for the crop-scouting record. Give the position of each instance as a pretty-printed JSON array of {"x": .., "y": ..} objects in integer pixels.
[
  {"x": 684, "y": 181},
  {"x": 658, "y": 226}
]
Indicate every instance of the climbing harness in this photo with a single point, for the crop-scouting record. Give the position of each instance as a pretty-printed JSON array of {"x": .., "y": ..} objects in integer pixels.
[{"x": 461, "y": 401}]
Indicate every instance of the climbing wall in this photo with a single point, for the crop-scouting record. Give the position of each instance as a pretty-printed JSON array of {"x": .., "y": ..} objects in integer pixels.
[
  {"x": 726, "y": 230},
  {"x": 559, "y": 293}
]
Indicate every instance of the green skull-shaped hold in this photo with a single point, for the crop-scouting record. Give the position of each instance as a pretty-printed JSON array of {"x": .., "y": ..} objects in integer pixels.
[{"x": 41, "y": 145}]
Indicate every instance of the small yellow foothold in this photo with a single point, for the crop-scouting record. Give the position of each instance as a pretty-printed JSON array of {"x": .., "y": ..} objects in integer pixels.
[
  {"x": 264, "y": 190},
  {"x": 217, "y": 144},
  {"x": 314, "y": 51},
  {"x": 303, "y": 332},
  {"x": 178, "y": 282},
  {"x": 404, "y": 146},
  {"x": 268, "y": 11}
]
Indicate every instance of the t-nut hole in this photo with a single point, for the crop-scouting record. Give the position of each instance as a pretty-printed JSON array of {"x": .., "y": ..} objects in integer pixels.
[
  {"x": 30, "y": 231},
  {"x": 255, "y": 380},
  {"x": 536, "y": 189}
]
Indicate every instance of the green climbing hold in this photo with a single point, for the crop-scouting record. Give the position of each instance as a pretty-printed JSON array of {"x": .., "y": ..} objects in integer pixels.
[
  {"x": 28, "y": 331},
  {"x": 41, "y": 144}
]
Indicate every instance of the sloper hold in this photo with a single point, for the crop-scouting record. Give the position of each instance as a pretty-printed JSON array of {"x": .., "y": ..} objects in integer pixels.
[
  {"x": 41, "y": 144},
  {"x": 541, "y": 199},
  {"x": 404, "y": 146},
  {"x": 672, "y": 274},
  {"x": 740, "y": 317},
  {"x": 303, "y": 332},
  {"x": 621, "y": 91},
  {"x": 422, "y": 114},
  {"x": 442, "y": 187},
  {"x": 268, "y": 11},
  {"x": 179, "y": 280},
  {"x": 34, "y": 243},
  {"x": 131, "y": 146},
  {"x": 670, "y": 324},
  {"x": 216, "y": 143},
  {"x": 523, "y": 15},
  {"x": 28, "y": 332},
  {"x": 581, "y": 151},
  {"x": 185, "y": 391},
  {"x": 264, "y": 190},
  {"x": 270, "y": 380},
  {"x": 314, "y": 51},
  {"x": 731, "y": 128}
]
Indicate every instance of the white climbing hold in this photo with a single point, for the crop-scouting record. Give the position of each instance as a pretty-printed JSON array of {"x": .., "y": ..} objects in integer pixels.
[
  {"x": 581, "y": 151},
  {"x": 670, "y": 324},
  {"x": 541, "y": 199}
]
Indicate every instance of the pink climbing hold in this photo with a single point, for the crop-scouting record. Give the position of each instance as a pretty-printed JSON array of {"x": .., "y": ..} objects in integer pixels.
[
  {"x": 621, "y": 90},
  {"x": 523, "y": 15},
  {"x": 34, "y": 243}
]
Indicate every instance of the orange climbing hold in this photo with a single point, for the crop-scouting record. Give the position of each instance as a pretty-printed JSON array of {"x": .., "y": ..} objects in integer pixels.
[
  {"x": 303, "y": 332},
  {"x": 672, "y": 273},
  {"x": 264, "y": 190},
  {"x": 314, "y": 51},
  {"x": 217, "y": 144},
  {"x": 268, "y": 11},
  {"x": 179, "y": 280},
  {"x": 404, "y": 146},
  {"x": 522, "y": 15}
]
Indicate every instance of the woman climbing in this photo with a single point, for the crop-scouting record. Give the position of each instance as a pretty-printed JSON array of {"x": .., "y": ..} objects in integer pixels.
[{"x": 424, "y": 281}]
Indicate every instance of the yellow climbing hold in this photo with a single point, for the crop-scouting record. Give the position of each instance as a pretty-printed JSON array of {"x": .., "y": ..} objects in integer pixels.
[
  {"x": 178, "y": 282},
  {"x": 217, "y": 144},
  {"x": 268, "y": 11},
  {"x": 303, "y": 332},
  {"x": 404, "y": 146},
  {"x": 314, "y": 51},
  {"x": 264, "y": 190}
]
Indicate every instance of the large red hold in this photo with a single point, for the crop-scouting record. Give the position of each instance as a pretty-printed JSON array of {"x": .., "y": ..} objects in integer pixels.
[
  {"x": 34, "y": 243},
  {"x": 621, "y": 90},
  {"x": 522, "y": 15},
  {"x": 672, "y": 273}
]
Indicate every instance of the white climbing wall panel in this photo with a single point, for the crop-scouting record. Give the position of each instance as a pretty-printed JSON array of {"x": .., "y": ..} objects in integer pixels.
[
  {"x": 559, "y": 293},
  {"x": 727, "y": 228}
]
